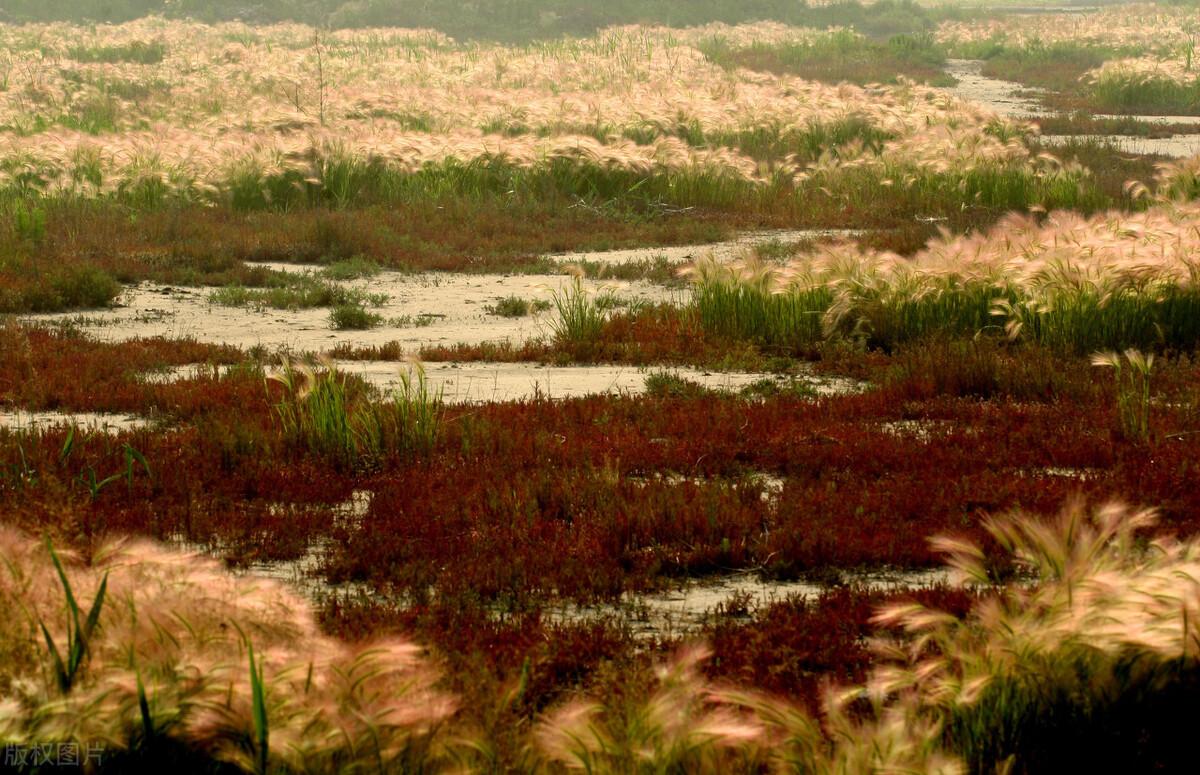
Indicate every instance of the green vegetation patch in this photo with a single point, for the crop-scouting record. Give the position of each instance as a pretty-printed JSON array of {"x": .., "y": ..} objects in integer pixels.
[
  {"x": 136, "y": 52},
  {"x": 839, "y": 57}
]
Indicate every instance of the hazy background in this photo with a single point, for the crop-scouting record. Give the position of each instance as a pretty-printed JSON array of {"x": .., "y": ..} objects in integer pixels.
[{"x": 490, "y": 19}]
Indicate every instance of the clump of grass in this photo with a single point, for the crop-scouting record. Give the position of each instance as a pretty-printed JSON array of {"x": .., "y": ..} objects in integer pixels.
[
  {"x": 135, "y": 52},
  {"x": 516, "y": 307},
  {"x": 293, "y": 293},
  {"x": 1177, "y": 181},
  {"x": 315, "y": 410},
  {"x": 75, "y": 286},
  {"x": 320, "y": 412},
  {"x": 353, "y": 317},
  {"x": 579, "y": 320},
  {"x": 420, "y": 320},
  {"x": 355, "y": 268},
  {"x": 416, "y": 410},
  {"x": 1103, "y": 638},
  {"x": 1131, "y": 371},
  {"x": 667, "y": 384},
  {"x": 1019, "y": 278},
  {"x": 688, "y": 724},
  {"x": 1137, "y": 93},
  {"x": 742, "y": 305},
  {"x": 676, "y": 729},
  {"x": 769, "y": 387},
  {"x": 608, "y": 301}
]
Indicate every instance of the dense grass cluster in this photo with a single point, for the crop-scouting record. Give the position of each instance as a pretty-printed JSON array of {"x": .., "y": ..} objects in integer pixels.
[
  {"x": 837, "y": 57},
  {"x": 319, "y": 411},
  {"x": 1080, "y": 286}
]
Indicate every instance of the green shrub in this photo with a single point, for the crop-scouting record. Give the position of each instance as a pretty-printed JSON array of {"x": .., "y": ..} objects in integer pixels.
[
  {"x": 666, "y": 384},
  {"x": 355, "y": 268},
  {"x": 509, "y": 307},
  {"x": 352, "y": 317}
]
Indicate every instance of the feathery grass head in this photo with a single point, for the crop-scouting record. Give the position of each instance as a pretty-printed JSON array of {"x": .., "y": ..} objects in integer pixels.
[
  {"x": 167, "y": 660},
  {"x": 1095, "y": 638}
]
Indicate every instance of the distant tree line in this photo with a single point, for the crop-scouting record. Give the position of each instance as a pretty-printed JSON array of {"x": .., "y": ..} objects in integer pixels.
[{"x": 505, "y": 20}]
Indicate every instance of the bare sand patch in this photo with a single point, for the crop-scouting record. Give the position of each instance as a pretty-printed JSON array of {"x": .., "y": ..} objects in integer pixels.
[
  {"x": 476, "y": 382},
  {"x": 421, "y": 310},
  {"x": 1177, "y": 147},
  {"x": 95, "y": 422},
  {"x": 1004, "y": 97}
]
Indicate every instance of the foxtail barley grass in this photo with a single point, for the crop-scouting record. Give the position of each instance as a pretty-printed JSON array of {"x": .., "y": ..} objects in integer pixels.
[
  {"x": 635, "y": 117},
  {"x": 1104, "y": 638},
  {"x": 689, "y": 724},
  {"x": 1131, "y": 371},
  {"x": 165, "y": 680},
  {"x": 1090, "y": 659},
  {"x": 1114, "y": 280},
  {"x": 322, "y": 414},
  {"x": 578, "y": 319}
]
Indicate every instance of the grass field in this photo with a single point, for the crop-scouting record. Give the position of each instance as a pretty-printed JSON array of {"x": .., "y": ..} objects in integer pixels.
[
  {"x": 709, "y": 394},
  {"x": 1125, "y": 59}
]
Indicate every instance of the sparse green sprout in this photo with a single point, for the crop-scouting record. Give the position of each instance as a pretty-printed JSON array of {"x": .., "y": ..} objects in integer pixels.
[
  {"x": 765, "y": 388},
  {"x": 422, "y": 320},
  {"x": 262, "y": 728},
  {"x": 607, "y": 301},
  {"x": 79, "y": 633}
]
